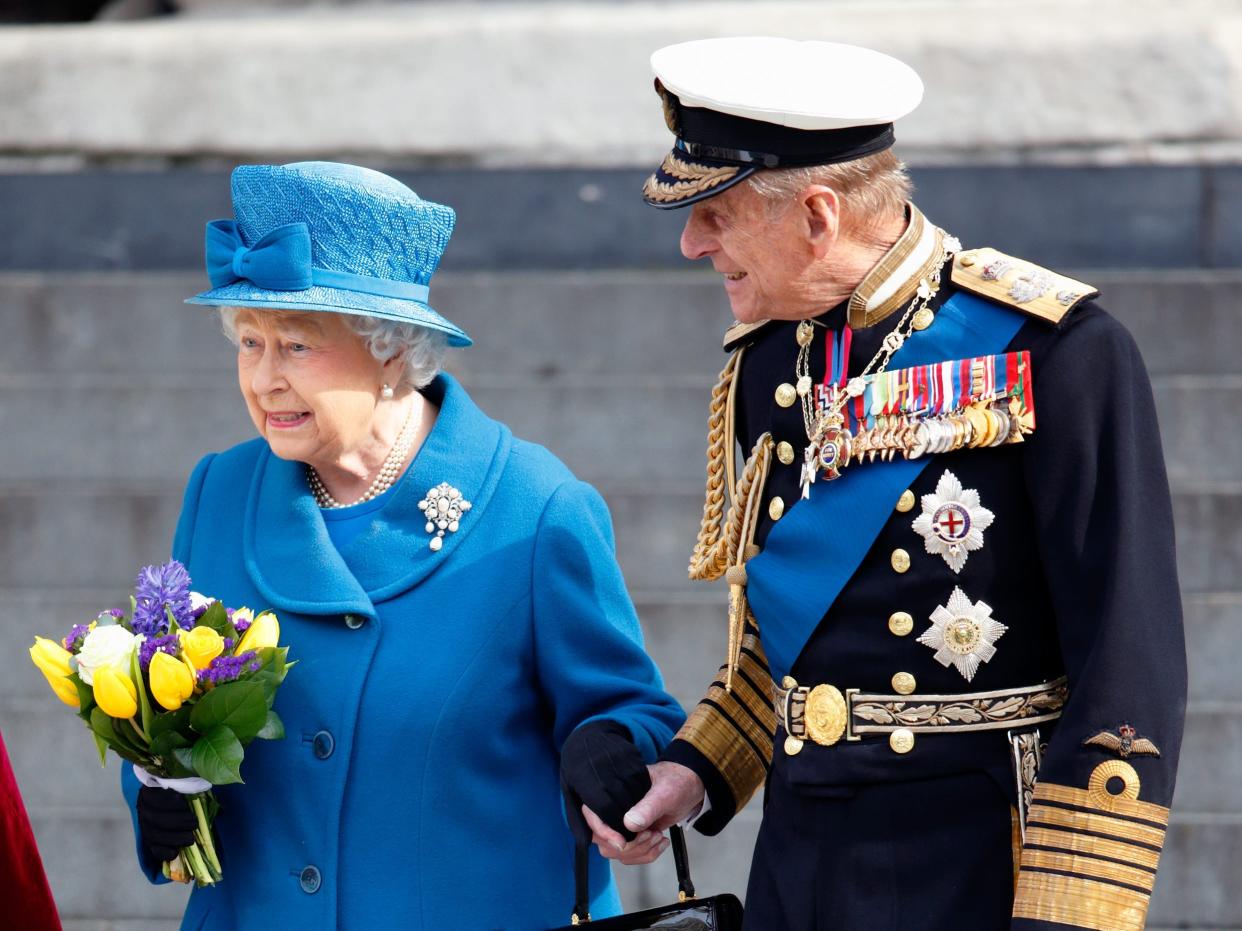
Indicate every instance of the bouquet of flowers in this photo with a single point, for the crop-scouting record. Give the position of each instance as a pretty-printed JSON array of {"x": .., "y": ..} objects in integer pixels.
[{"x": 178, "y": 688}]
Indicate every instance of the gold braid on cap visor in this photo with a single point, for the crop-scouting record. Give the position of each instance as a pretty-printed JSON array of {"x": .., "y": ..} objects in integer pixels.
[{"x": 694, "y": 179}]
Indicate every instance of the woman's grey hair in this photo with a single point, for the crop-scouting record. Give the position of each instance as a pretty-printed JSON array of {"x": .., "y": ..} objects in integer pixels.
[
  {"x": 422, "y": 350},
  {"x": 871, "y": 188}
]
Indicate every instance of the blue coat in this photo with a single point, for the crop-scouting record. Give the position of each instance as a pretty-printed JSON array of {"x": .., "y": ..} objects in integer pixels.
[{"x": 417, "y": 785}]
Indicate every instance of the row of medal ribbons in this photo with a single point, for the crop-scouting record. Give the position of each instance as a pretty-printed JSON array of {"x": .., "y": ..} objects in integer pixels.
[{"x": 943, "y": 406}]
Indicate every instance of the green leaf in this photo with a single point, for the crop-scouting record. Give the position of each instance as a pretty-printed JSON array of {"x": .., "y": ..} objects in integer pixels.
[
  {"x": 217, "y": 619},
  {"x": 164, "y": 745},
  {"x": 86, "y": 698},
  {"x": 273, "y": 728},
  {"x": 105, "y": 729},
  {"x": 185, "y": 759},
  {"x": 240, "y": 706},
  {"x": 217, "y": 756},
  {"x": 103, "y": 748},
  {"x": 170, "y": 721}
]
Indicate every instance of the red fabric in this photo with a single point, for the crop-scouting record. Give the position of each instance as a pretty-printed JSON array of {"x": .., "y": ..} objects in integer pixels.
[{"x": 24, "y": 890}]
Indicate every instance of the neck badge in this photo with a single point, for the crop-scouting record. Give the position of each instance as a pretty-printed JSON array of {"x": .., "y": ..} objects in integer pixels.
[
  {"x": 963, "y": 634},
  {"x": 953, "y": 521}
]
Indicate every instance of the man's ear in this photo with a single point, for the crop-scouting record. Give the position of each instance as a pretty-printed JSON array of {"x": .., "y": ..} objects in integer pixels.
[{"x": 820, "y": 209}]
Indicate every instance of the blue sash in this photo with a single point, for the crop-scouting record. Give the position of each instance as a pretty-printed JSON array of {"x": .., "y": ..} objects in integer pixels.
[{"x": 812, "y": 552}]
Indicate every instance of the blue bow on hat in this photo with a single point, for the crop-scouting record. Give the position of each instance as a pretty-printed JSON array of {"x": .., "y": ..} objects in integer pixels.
[
  {"x": 280, "y": 261},
  {"x": 321, "y": 236}
]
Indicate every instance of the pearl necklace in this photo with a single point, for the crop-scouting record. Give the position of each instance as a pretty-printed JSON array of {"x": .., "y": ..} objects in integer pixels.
[{"x": 388, "y": 472}]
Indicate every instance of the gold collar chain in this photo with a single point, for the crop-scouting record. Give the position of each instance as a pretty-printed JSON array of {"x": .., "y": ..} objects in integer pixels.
[{"x": 825, "y": 429}]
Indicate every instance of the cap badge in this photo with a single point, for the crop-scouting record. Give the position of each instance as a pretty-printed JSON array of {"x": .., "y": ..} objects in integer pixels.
[
  {"x": 444, "y": 508},
  {"x": 963, "y": 634},
  {"x": 952, "y": 522}
]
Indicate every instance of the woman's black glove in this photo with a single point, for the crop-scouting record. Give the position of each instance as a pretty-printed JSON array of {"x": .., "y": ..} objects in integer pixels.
[
  {"x": 602, "y": 769},
  {"x": 165, "y": 822}
]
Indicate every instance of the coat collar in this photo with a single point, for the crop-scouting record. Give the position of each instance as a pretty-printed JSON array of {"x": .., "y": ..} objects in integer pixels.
[
  {"x": 893, "y": 280},
  {"x": 291, "y": 558}
]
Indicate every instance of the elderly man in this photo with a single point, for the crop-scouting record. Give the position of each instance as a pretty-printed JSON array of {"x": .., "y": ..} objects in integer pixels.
[{"x": 955, "y": 639}]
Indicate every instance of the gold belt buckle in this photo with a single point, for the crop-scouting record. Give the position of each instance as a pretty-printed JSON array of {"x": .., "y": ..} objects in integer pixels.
[{"x": 825, "y": 715}]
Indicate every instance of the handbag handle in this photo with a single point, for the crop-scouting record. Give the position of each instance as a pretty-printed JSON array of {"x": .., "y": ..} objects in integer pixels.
[{"x": 582, "y": 885}]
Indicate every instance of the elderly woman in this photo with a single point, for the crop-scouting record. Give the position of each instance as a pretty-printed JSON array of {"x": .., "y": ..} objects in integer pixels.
[{"x": 450, "y": 593}]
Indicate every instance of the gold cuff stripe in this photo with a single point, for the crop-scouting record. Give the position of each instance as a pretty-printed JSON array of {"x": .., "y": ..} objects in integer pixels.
[
  {"x": 739, "y": 763},
  {"x": 1113, "y": 804},
  {"x": 1081, "y": 903},
  {"x": 1071, "y": 820},
  {"x": 1085, "y": 866},
  {"x": 1073, "y": 842}
]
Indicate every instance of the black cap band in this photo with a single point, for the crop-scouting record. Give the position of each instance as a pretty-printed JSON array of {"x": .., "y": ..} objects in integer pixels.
[{"x": 728, "y": 139}]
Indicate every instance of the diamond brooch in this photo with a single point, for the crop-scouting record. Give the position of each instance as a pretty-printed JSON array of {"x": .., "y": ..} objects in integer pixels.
[{"x": 444, "y": 508}]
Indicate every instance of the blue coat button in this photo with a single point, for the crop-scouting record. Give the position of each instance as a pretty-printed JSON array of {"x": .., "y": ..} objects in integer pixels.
[
  {"x": 310, "y": 880},
  {"x": 354, "y": 621},
  {"x": 323, "y": 745}
]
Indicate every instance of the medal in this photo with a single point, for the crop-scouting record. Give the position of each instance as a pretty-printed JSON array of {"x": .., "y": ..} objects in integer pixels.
[
  {"x": 952, "y": 522},
  {"x": 963, "y": 634}
]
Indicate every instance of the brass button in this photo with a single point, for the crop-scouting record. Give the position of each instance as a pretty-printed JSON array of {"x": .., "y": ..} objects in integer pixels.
[
  {"x": 923, "y": 318},
  {"x": 906, "y": 501},
  {"x": 776, "y": 507},
  {"x": 785, "y": 452},
  {"x": 900, "y": 560},
  {"x": 789, "y": 682},
  {"x": 900, "y": 623},
  {"x": 786, "y": 394},
  {"x": 805, "y": 333},
  {"x": 967, "y": 259},
  {"x": 793, "y": 746},
  {"x": 901, "y": 740},
  {"x": 903, "y": 683}
]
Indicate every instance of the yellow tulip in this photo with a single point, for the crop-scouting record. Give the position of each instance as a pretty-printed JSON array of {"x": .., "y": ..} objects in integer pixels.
[
  {"x": 172, "y": 681},
  {"x": 263, "y": 632},
  {"x": 51, "y": 658},
  {"x": 65, "y": 690},
  {"x": 115, "y": 693},
  {"x": 201, "y": 645}
]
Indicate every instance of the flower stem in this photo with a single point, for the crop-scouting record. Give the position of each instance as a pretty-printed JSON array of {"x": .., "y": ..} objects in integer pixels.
[
  {"x": 202, "y": 876},
  {"x": 197, "y": 802},
  {"x": 141, "y": 733}
]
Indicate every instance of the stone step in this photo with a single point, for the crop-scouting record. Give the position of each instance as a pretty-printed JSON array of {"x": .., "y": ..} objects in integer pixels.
[
  {"x": 610, "y": 431},
  {"x": 98, "y": 535},
  {"x": 539, "y": 326}
]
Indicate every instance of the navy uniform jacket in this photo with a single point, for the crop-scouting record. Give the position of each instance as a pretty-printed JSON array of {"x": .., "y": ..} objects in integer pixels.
[{"x": 1078, "y": 564}]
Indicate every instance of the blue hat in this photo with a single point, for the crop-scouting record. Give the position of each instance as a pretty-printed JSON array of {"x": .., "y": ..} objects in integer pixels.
[{"x": 331, "y": 237}]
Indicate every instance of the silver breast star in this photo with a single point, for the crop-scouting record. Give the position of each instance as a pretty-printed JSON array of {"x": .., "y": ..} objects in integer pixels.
[
  {"x": 963, "y": 634},
  {"x": 953, "y": 521}
]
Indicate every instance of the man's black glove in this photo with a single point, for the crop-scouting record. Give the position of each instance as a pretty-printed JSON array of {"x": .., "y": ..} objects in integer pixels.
[
  {"x": 165, "y": 822},
  {"x": 602, "y": 769}
]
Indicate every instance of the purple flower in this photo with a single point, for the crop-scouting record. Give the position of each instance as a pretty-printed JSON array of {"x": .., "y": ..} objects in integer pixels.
[
  {"x": 73, "y": 642},
  {"x": 148, "y": 648},
  {"x": 157, "y": 588},
  {"x": 227, "y": 668}
]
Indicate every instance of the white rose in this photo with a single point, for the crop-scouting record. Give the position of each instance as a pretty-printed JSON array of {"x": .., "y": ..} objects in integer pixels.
[
  {"x": 200, "y": 601},
  {"x": 106, "y": 646}
]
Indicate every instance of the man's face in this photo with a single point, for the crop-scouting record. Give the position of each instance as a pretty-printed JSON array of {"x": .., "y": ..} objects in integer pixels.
[{"x": 762, "y": 254}]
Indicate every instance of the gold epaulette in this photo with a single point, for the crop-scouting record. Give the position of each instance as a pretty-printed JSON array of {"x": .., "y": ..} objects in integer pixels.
[
  {"x": 1021, "y": 285},
  {"x": 739, "y": 331}
]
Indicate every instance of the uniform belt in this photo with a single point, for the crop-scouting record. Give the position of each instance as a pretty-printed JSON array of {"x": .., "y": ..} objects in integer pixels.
[{"x": 827, "y": 714}]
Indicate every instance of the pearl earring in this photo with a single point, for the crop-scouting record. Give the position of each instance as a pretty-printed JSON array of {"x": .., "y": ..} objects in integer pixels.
[{"x": 386, "y": 392}]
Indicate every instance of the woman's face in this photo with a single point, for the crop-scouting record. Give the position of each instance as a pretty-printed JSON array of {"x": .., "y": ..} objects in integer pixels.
[{"x": 310, "y": 383}]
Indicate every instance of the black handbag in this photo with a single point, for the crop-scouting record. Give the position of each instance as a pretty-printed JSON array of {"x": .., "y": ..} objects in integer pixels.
[{"x": 717, "y": 913}]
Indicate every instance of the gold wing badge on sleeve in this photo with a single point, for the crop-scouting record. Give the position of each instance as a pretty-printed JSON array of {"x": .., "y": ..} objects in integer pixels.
[{"x": 1125, "y": 743}]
